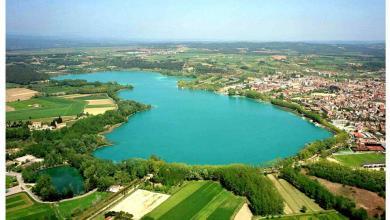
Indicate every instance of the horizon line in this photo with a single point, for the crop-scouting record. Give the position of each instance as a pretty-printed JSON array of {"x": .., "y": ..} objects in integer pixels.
[{"x": 150, "y": 40}]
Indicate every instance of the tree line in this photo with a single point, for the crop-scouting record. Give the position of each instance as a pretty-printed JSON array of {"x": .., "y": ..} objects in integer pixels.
[
  {"x": 72, "y": 86},
  {"x": 321, "y": 195},
  {"x": 367, "y": 179}
]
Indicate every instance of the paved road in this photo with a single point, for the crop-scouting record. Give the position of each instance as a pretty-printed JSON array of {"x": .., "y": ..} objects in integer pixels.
[{"x": 23, "y": 187}]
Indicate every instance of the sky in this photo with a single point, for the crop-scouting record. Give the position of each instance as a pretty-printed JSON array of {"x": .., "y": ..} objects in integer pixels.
[{"x": 210, "y": 20}]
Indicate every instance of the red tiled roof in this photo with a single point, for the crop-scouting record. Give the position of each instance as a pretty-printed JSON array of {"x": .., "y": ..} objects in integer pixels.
[{"x": 375, "y": 148}]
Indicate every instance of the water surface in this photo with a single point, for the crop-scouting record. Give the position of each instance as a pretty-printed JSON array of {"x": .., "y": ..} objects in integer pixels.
[
  {"x": 199, "y": 127},
  {"x": 64, "y": 177}
]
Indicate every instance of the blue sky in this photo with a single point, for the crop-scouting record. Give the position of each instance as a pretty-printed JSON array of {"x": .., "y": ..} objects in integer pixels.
[{"x": 228, "y": 20}]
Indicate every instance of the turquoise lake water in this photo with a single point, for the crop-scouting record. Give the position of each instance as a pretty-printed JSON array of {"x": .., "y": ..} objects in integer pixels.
[
  {"x": 199, "y": 127},
  {"x": 65, "y": 176}
]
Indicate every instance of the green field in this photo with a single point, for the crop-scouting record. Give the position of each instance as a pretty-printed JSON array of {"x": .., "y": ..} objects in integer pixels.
[
  {"x": 10, "y": 181},
  {"x": 21, "y": 206},
  {"x": 66, "y": 208},
  {"x": 293, "y": 198},
  {"x": 198, "y": 200},
  {"x": 357, "y": 160},
  {"x": 44, "y": 107}
]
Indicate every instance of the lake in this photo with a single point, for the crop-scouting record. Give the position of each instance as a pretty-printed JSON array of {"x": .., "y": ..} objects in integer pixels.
[
  {"x": 65, "y": 176},
  {"x": 200, "y": 127}
]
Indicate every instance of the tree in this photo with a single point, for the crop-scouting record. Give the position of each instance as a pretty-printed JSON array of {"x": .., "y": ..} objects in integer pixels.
[
  {"x": 370, "y": 180},
  {"x": 119, "y": 215},
  {"x": 45, "y": 188},
  {"x": 59, "y": 120}
]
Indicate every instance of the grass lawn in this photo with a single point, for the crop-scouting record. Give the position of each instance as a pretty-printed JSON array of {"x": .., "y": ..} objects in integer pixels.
[
  {"x": 293, "y": 198},
  {"x": 66, "y": 208},
  {"x": 326, "y": 215},
  {"x": 357, "y": 160},
  {"x": 21, "y": 206},
  {"x": 45, "y": 107},
  {"x": 198, "y": 200},
  {"x": 10, "y": 181}
]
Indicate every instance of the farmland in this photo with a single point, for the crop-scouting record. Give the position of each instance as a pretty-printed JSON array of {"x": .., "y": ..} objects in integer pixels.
[
  {"x": 357, "y": 160},
  {"x": 20, "y": 206},
  {"x": 324, "y": 215},
  {"x": 370, "y": 201},
  {"x": 99, "y": 106},
  {"x": 68, "y": 208},
  {"x": 44, "y": 107},
  {"x": 293, "y": 198},
  {"x": 20, "y": 94},
  {"x": 198, "y": 200},
  {"x": 96, "y": 103}
]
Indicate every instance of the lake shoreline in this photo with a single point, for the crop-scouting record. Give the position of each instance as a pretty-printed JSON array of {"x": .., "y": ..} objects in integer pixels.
[
  {"x": 148, "y": 71},
  {"x": 311, "y": 136}
]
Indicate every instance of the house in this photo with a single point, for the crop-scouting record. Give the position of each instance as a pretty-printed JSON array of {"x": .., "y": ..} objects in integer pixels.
[
  {"x": 35, "y": 125},
  {"x": 370, "y": 147},
  {"x": 46, "y": 127},
  {"x": 115, "y": 188},
  {"x": 27, "y": 159},
  {"x": 374, "y": 165},
  {"x": 60, "y": 125}
]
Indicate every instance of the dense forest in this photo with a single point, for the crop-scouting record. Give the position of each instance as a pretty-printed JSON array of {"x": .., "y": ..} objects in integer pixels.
[
  {"x": 246, "y": 181},
  {"x": 23, "y": 74},
  {"x": 371, "y": 180}
]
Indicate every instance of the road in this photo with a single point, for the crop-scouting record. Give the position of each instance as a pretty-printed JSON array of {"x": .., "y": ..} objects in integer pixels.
[{"x": 22, "y": 187}]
